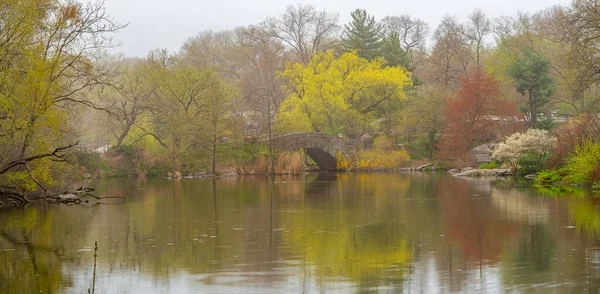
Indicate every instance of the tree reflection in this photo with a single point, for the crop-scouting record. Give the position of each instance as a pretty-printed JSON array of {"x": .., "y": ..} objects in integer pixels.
[{"x": 375, "y": 232}]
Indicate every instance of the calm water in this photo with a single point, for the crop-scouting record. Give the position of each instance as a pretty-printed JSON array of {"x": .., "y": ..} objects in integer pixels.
[{"x": 421, "y": 233}]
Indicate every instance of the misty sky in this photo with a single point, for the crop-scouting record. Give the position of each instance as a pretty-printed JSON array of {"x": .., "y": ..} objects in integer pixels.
[{"x": 167, "y": 24}]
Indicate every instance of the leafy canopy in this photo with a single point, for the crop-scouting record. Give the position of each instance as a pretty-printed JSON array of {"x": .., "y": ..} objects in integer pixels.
[
  {"x": 331, "y": 94},
  {"x": 531, "y": 76},
  {"x": 473, "y": 114}
]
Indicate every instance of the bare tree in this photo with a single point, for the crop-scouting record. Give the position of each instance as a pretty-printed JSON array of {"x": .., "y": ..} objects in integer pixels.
[
  {"x": 411, "y": 32},
  {"x": 305, "y": 30},
  {"x": 261, "y": 89},
  {"x": 478, "y": 27},
  {"x": 450, "y": 56},
  {"x": 214, "y": 51}
]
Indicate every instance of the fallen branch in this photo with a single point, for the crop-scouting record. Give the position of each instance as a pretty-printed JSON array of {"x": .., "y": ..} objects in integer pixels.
[{"x": 78, "y": 197}]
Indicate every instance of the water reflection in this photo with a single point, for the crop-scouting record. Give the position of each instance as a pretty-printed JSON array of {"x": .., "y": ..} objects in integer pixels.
[{"x": 320, "y": 232}]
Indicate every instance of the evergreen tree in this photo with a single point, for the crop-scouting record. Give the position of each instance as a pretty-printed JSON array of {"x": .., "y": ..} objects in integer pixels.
[
  {"x": 530, "y": 73},
  {"x": 393, "y": 53},
  {"x": 364, "y": 35}
]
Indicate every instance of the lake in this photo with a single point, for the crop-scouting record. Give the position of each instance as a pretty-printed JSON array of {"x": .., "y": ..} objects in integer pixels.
[{"x": 334, "y": 233}]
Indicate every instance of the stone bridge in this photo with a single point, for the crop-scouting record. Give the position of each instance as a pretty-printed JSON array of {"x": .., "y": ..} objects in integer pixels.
[{"x": 322, "y": 148}]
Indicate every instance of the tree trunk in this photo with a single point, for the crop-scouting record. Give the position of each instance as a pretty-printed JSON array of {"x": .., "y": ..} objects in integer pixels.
[
  {"x": 124, "y": 134},
  {"x": 270, "y": 168},
  {"x": 214, "y": 151},
  {"x": 532, "y": 111}
]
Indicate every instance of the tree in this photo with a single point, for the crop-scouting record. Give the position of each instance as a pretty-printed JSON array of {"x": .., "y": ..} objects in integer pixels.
[
  {"x": 450, "y": 56},
  {"x": 263, "y": 57},
  {"x": 472, "y": 115},
  {"x": 393, "y": 54},
  {"x": 412, "y": 37},
  {"x": 216, "y": 51},
  {"x": 48, "y": 57},
  {"x": 421, "y": 120},
  {"x": 477, "y": 29},
  {"x": 531, "y": 75},
  {"x": 128, "y": 100},
  {"x": 218, "y": 105},
  {"x": 363, "y": 34},
  {"x": 412, "y": 33},
  {"x": 339, "y": 94},
  {"x": 305, "y": 30}
]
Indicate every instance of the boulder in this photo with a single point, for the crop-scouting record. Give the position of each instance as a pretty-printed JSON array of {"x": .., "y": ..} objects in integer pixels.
[
  {"x": 531, "y": 176},
  {"x": 422, "y": 167},
  {"x": 453, "y": 171},
  {"x": 66, "y": 196},
  {"x": 474, "y": 173},
  {"x": 229, "y": 175}
]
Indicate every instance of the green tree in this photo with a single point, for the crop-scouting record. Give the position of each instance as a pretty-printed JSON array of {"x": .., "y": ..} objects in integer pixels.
[
  {"x": 531, "y": 75},
  {"x": 127, "y": 102},
  {"x": 218, "y": 105},
  {"x": 48, "y": 57},
  {"x": 392, "y": 52},
  {"x": 363, "y": 34}
]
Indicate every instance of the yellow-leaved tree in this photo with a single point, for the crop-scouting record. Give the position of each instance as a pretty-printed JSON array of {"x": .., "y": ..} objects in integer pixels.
[
  {"x": 339, "y": 94},
  {"x": 48, "y": 62}
]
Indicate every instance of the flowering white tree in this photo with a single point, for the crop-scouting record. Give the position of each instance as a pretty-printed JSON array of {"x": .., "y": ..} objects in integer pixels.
[{"x": 535, "y": 141}]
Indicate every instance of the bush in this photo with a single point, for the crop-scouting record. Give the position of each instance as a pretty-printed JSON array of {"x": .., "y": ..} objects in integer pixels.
[
  {"x": 573, "y": 133},
  {"x": 530, "y": 150},
  {"x": 342, "y": 162},
  {"x": 550, "y": 176},
  {"x": 491, "y": 165},
  {"x": 372, "y": 159},
  {"x": 532, "y": 162},
  {"x": 439, "y": 166},
  {"x": 288, "y": 163},
  {"x": 583, "y": 164}
]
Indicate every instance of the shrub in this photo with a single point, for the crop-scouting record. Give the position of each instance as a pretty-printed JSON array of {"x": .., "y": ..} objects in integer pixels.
[
  {"x": 531, "y": 149},
  {"x": 532, "y": 162},
  {"x": 439, "y": 166},
  {"x": 491, "y": 165},
  {"x": 583, "y": 164},
  {"x": 288, "y": 163},
  {"x": 573, "y": 133},
  {"x": 370, "y": 159},
  {"x": 550, "y": 176},
  {"x": 382, "y": 143},
  {"x": 342, "y": 162}
]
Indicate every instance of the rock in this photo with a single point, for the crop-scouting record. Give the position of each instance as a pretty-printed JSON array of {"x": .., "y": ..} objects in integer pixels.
[
  {"x": 67, "y": 196},
  {"x": 178, "y": 174},
  {"x": 467, "y": 169},
  {"x": 229, "y": 175},
  {"x": 453, "y": 171},
  {"x": 474, "y": 173},
  {"x": 531, "y": 176},
  {"x": 422, "y": 167}
]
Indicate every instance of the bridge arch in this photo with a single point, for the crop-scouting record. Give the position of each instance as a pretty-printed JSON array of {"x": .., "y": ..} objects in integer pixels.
[{"x": 322, "y": 148}]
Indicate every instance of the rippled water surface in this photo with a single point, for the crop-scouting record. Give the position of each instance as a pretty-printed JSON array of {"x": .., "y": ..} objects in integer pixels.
[{"x": 339, "y": 233}]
